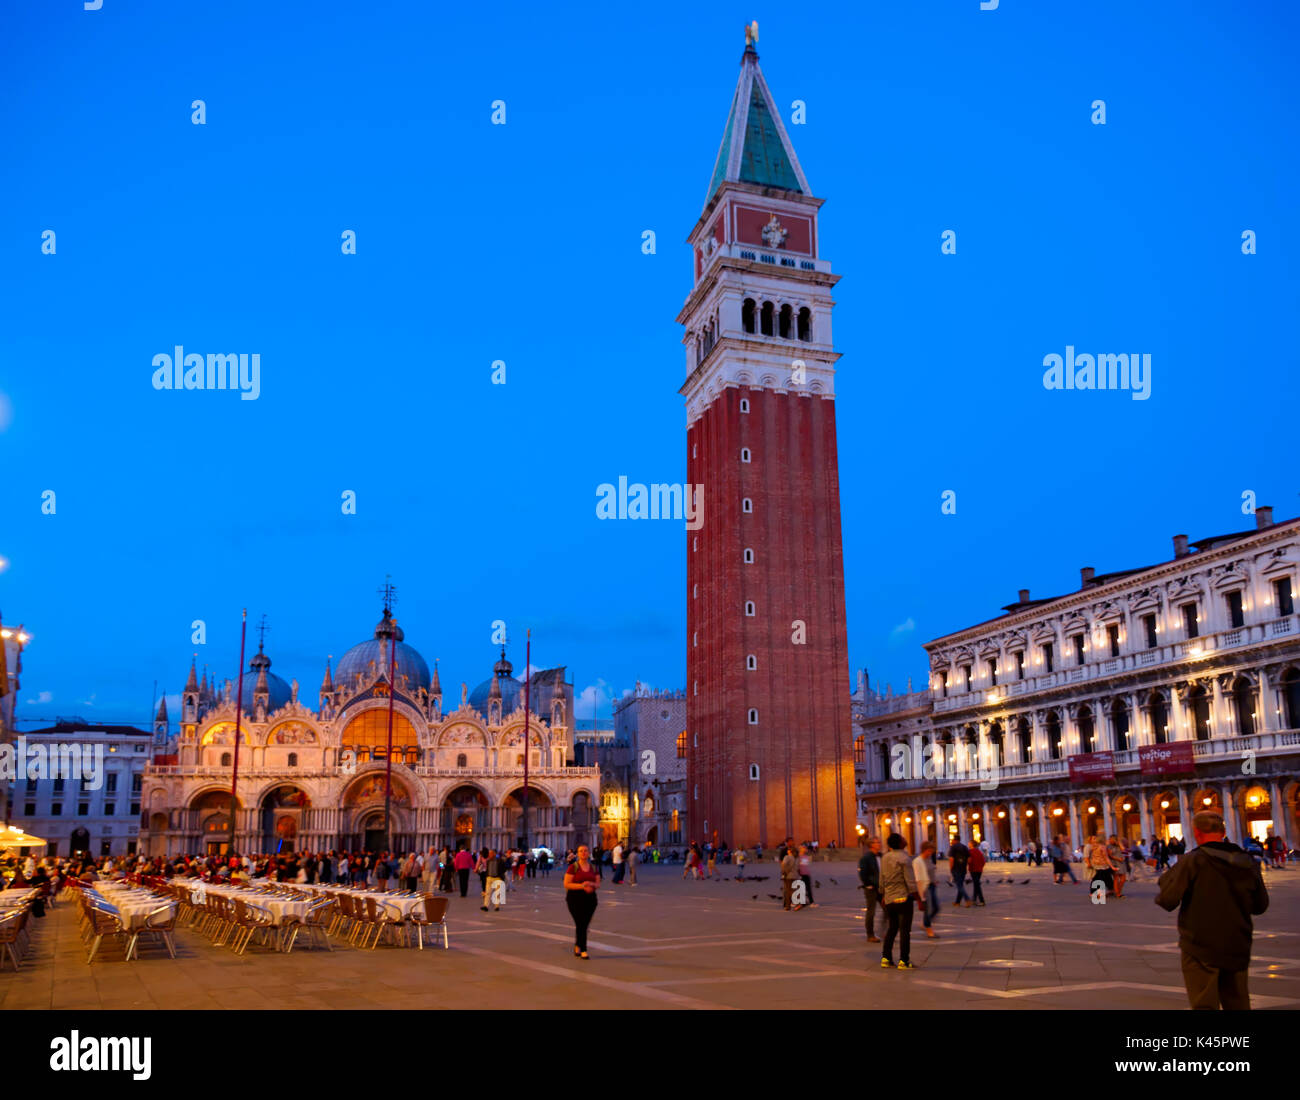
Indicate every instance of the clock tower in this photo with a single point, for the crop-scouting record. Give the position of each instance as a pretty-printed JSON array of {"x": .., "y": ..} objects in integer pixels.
[{"x": 768, "y": 719}]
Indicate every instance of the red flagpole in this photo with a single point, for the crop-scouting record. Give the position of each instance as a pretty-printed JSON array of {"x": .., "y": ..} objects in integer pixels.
[
  {"x": 528, "y": 661},
  {"x": 388, "y": 773},
  {"x": 239, "y": 714}
]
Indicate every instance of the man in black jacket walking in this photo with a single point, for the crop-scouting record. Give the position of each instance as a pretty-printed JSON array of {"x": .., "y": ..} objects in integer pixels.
[
  {"x": 1216, "y": 890},
  {"x": 869, "y": 875}
]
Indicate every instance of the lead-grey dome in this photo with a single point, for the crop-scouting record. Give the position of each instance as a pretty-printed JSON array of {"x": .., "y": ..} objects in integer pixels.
[{"x": 368, "y": 657}]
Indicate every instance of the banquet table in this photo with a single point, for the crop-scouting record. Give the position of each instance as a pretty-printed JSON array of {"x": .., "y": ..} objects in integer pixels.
[
  {"x": 132, "y": 903},
  {"x": 11, "y": 899},
  {"x": 402, "y": 905},
  {"x": 280, "y": 908}
]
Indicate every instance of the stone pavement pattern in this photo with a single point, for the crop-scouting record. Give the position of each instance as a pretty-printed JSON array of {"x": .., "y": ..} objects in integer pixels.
[{"x": 669, "y": 943}]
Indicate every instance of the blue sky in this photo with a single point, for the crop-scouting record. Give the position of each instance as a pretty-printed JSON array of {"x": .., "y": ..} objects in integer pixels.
[{"x": 522, "y": 243}]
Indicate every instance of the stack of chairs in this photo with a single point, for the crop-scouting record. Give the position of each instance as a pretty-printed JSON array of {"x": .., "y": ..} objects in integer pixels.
[{"x": 14, "y": 938}]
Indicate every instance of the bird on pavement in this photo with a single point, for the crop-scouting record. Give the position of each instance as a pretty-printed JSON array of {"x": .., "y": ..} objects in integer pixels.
[
  {"x": 1025, "y": 883},
  {"x": 833, "y": 882}
]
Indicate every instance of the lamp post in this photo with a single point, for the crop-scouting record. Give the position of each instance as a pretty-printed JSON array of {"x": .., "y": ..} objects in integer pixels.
[
  {"x": 239, "y": 716},
  {"x": 528, "y": 658},
  {"x": 388, "y": 758}
]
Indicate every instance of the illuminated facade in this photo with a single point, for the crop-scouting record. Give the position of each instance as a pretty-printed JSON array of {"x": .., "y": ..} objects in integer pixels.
[
  {"x": 654, "y": 722},
  {"x": 316, "y": 780},
  {"x": 1122, "y": 708}
]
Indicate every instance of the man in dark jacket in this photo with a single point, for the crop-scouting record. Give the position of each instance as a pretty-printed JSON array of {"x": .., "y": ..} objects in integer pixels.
[
  {"x": 869, "y": 875},
  {"x": 1216, "y": 890},
  {"x": 958, "y": 855}
]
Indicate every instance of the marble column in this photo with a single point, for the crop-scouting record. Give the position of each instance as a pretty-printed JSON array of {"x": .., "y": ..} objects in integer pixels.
[
  {"x": 1218, "y": 712},
  {"x": 1144, "y": 811},
  {"x": 1175, "y": 713},
  {"x": 1017, "y": 840},
  {"x": 1106, "y": 819},
  {"x": 1076, "y": 834},
  {"x": 1267, "y": 705},
  {"x": 1184, "y": 818},
  {"x": 1280, "y": 811}
]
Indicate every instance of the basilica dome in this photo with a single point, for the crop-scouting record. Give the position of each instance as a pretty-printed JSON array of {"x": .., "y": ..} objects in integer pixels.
[
  {"x": 369, "y": 657},
  {"x": 278, "y": 692},
  {"x": 512, "y": 690}
]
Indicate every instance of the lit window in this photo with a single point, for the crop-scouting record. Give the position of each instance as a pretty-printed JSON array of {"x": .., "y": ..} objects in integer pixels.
[{"x": 681, "y": 745}]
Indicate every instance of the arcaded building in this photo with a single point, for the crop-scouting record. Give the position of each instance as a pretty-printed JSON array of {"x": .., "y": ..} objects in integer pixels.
[
  {"x": 316, "y": 779},
  {"x": 1121, "y": 708}
]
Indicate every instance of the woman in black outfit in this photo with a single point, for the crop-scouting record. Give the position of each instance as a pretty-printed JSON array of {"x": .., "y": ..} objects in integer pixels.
[{"x": 581, "y": 881}]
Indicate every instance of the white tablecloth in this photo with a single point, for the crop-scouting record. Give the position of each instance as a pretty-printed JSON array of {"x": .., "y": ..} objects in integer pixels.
[
  {"x": 279, "y": 908},
  {"x": 403, "y": 905},
  {"x": 15, "y": 898},
  {"x": 132, "y": 904}
]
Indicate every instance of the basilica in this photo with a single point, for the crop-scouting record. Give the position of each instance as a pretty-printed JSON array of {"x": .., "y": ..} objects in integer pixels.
[{"x": 312, "y": 780}]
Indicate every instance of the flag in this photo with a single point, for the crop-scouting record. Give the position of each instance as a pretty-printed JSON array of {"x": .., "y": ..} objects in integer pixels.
[{"x": 4, "y": 664}]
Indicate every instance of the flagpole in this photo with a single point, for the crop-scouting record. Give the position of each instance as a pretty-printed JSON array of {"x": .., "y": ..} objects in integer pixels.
[
  {"x": 239, "y": 715},
  {"x": 388, "y": 772},
  {"x": 528, "y": 660}
]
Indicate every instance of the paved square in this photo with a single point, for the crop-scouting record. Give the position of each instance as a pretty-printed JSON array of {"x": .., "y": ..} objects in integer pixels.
[{"x": 669, "y": 943}]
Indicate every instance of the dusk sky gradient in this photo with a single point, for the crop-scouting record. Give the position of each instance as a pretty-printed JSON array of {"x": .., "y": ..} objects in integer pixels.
[{"x": 522, "y": 243}]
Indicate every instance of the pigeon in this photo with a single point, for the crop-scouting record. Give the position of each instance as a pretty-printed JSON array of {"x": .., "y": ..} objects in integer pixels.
[
  {"x": 776, "y": 896},
  {"x": 817, "y": 884},
  {"x": 833, "y": 882},
  {"x": 1025, "y": 883},
  {"x": 754, "y": 898}
]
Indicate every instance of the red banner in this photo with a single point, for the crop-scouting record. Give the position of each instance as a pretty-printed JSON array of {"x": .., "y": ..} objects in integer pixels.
[
  {"x": 1174, "y": 758},
  {"x": 1088, "y": 767}
]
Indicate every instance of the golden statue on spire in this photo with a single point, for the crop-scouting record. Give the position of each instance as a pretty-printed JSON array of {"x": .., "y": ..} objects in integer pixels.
[{"x": 751, "y": 34}]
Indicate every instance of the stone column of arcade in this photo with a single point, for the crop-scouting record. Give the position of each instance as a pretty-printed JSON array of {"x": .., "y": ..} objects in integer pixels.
[
  {"x": 1076, "y": 833},
  {"x": 1184, "y": 817},
  {"x": 1144, "y": 811},
  {"x": 1281, "y": 812}
]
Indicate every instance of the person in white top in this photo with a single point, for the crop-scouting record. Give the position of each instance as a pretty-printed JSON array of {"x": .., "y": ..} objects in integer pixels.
[
  {"x": 925, "y": 886},
  {"x": 618, "y": 864}
]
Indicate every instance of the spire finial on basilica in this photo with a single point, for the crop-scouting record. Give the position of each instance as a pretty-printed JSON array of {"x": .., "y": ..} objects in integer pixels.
[{"x": 192, "y": 684}]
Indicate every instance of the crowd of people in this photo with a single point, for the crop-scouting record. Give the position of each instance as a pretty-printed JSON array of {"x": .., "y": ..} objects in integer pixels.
[
  {"x": 1217, "y": 889},
  {"x": 1214, "y": 921}
]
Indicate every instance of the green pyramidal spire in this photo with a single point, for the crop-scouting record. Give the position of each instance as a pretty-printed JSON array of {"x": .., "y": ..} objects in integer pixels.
[{"x": 755, "y": 146}]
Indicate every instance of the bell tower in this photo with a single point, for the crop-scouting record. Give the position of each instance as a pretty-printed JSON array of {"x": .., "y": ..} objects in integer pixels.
[{"x": 768, "y": 718}]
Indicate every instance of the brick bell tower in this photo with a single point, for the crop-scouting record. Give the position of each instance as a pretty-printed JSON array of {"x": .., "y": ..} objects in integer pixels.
[{"x": 769, "y": 734}]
